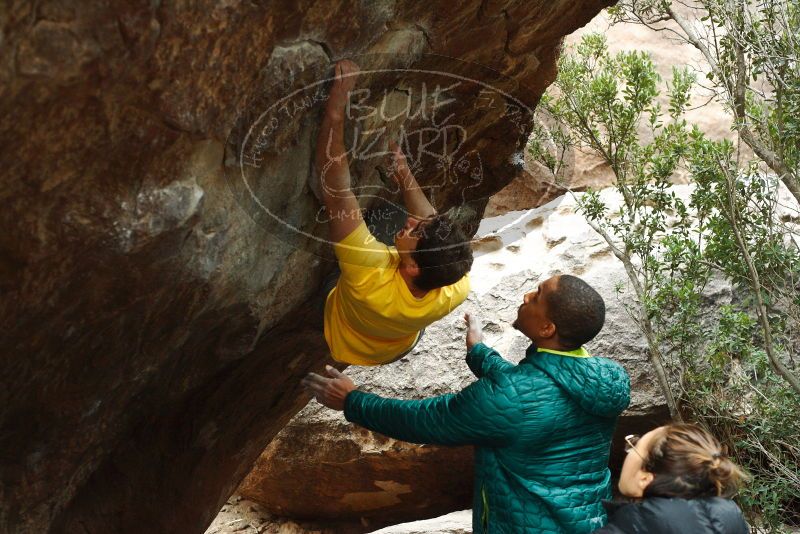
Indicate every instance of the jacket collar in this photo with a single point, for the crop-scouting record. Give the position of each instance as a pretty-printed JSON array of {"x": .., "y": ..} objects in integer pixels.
[{"x": 532, "y": 351}]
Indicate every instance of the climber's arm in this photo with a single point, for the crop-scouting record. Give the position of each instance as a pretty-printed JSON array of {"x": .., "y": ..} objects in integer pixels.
[
  {"x": 331, "y": 161},
  {"x": 414, "y": 198}
]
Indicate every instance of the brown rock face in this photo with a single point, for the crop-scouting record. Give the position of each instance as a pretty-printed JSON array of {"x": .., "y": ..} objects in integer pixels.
[
  {"x": 328, "y": 470},
  {"x": 155, "y": 322},
  {"x": 527, "y": 190}
]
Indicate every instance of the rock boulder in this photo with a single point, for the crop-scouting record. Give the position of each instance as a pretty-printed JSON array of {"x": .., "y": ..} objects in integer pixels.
[
  {"x": 452, "y": 523},
  {"x": 156, "y": 317}
]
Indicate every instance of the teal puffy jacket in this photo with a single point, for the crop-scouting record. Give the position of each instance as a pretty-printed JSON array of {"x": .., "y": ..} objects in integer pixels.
[{"x": 542, "y": 430}]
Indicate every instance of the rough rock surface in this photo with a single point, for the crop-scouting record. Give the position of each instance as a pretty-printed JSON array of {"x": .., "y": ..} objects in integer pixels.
[
  {"x": 247, "y": 517},
  {"x": 533, "y": 187},
  {"x": 453, "y": 523},
  {"x": 321, "y": 466},
  {"x": 154, "y": 331}
]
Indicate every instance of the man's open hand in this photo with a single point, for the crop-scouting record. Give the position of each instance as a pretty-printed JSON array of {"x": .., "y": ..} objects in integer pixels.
[
  {"x": 474, "y": 331},
  {"x": 330, "y": 392}
]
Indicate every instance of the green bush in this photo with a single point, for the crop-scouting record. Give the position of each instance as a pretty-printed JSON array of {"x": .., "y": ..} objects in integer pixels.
[{"x": 729, "y": 368}]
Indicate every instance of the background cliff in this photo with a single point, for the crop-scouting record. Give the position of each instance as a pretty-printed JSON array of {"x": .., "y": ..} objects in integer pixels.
[{"x": 155, "y": 322}]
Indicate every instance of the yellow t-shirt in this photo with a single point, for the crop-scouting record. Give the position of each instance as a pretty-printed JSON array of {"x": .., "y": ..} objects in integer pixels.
[{"x": 371, "y": 317}]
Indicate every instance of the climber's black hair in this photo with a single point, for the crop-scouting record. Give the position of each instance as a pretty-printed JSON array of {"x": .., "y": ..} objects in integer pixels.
[{"x": 443, "y": 254}]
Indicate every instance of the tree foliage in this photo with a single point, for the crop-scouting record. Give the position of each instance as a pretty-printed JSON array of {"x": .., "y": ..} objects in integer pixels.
[
  {"x": 752, "y": 54},
  {"x": 731, "y": 368}
]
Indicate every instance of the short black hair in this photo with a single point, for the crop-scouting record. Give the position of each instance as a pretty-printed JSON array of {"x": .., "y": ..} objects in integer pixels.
[
  {"x": 443, "y": 254},
  {"x": 577, "y": 310}
]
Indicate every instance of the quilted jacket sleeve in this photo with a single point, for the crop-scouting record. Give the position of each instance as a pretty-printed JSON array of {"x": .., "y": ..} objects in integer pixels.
[
  {"x": 481, "y": 359},
  {"x": 483, "y": 413}
]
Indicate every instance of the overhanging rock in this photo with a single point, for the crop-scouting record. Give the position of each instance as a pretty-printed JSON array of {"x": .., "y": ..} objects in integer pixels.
[{"x": 155, "y": 323}]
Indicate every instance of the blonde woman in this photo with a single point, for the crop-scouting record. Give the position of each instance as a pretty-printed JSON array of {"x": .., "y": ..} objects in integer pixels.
[{"x": 684, "y": 480}]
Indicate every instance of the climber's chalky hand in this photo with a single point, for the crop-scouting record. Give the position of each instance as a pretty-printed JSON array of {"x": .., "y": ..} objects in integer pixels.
[
  {"x": 344, "y": 81},
  {"x": 400, "y": 171},
  {"x": 330, "y": 392}
]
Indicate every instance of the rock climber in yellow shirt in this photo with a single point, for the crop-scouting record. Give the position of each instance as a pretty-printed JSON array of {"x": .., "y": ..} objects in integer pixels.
[{"x": 385, "y": 295}]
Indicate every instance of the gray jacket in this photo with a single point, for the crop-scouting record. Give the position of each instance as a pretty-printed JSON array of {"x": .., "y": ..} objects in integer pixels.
[{"x": 660, "y": 515}]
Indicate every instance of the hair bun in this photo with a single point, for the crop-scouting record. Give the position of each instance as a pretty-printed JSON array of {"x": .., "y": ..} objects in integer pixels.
[{"x": 687, "y": 452}]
